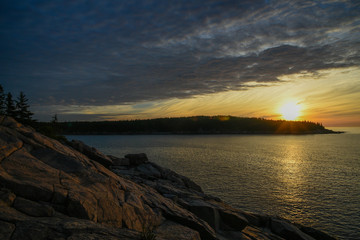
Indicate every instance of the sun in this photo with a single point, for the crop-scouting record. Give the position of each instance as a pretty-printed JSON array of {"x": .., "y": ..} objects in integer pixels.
[{"x": 290, "y": 110}]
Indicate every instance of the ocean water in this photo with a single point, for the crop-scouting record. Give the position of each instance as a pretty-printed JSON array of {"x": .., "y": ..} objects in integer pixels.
[{"x": 309, "y": 179}]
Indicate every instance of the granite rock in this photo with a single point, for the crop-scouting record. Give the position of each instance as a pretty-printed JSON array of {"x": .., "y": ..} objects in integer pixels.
[{"x": 49, "y": 190}]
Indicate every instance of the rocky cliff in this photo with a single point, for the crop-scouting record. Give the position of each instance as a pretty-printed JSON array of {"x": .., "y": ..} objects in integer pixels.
[{"x": 50, "y": 190}]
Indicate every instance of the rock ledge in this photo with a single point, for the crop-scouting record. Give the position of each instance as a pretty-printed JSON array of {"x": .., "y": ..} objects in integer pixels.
[{"x": 49, "y": 190}]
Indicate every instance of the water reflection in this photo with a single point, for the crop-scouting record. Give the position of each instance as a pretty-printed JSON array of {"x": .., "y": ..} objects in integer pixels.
[{"x": 290, "y": 182}]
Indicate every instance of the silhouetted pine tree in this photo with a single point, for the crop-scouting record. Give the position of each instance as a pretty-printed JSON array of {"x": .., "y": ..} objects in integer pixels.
[
  {"x": 54, "y": 119},
  {"x": 2, "y": 101},
  {"x": 22, "y": 109},
  {"x": 10, "y": 107}
]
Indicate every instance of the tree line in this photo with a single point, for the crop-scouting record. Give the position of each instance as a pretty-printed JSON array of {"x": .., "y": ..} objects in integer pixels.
[
  {"x": 192, "y": 125},
  {"x": 18, "y": 108}
]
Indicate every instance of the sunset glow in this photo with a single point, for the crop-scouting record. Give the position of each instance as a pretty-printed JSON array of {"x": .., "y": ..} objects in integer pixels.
[
  {"x": 290, "y": 110},
  {"x": 171, "y": 59}
]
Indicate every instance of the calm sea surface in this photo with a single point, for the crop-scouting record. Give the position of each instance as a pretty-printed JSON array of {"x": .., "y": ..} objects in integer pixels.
[{"x": 309, "y": 179}]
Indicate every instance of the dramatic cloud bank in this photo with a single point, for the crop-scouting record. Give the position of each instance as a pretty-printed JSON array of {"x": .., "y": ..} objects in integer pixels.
[{"x": 120, "y": 52}]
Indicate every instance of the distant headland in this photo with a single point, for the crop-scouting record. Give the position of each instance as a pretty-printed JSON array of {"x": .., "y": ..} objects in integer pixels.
[{"x": 189, "y": 125}]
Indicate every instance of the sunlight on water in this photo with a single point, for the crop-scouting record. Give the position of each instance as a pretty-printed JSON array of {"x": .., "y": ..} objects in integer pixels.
[
  {"x": 290, "y": 172},
  {"x": 311, "y": 179}
]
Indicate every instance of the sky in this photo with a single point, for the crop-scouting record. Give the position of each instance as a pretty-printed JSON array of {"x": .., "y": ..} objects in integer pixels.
[{"x": 113, "y": 60}]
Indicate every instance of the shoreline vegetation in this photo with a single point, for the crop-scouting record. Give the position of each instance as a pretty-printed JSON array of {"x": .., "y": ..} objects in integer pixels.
[{"x": 185, "y": 125}]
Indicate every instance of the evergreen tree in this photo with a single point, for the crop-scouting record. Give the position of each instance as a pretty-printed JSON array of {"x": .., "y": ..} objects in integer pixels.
[
  {"x": 2, "y": 101},
  {"x": 54, "y": 119},
  {"x": 22, "y": 109},
  {"x": 10, "y": 107}
]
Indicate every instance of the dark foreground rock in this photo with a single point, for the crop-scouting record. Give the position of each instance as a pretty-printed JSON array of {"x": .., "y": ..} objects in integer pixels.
[{"x": 49, "y": 190}]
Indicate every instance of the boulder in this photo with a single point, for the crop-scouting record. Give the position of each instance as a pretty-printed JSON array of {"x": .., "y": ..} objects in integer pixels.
[
  {"x": 287, "y": 231},
  {"x": 137, "y": 159},
  {"x": 148, "y": 170},
  {"x": 172, "y": 176},
  {"x": 91, "y": 153},
  {"x": 119, "y": 161}
]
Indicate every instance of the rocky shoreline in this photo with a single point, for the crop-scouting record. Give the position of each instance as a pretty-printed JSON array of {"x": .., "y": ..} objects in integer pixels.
[{"x": 51, "y": 190}]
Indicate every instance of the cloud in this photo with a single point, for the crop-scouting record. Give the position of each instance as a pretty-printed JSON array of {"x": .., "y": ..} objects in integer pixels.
[{"x": 113, "y": 53}]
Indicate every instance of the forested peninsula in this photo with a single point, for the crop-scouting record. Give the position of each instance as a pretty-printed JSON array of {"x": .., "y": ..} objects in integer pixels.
[{"x": 188, "y": 125}]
